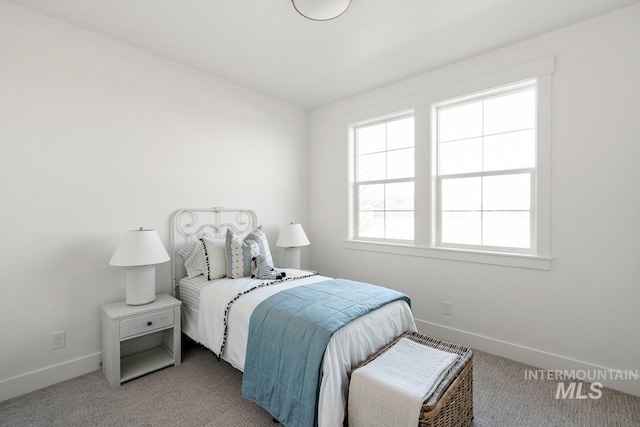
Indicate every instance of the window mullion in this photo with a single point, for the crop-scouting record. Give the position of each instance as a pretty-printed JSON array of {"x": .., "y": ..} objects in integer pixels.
[
  {"x": 386, "y": 181},
  {"x": 491, "y": 173},
  {"x": 482, "y": 181},
  {"x": 422, "y": 201},
  {"x": 386, "y": 176}
]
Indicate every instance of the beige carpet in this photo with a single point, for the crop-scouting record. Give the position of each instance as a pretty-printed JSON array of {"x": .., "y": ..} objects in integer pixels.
[{"x": 204, "y": 392}]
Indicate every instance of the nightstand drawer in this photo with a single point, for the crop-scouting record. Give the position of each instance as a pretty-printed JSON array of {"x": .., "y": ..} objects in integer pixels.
[{"x": 145, "y": 323}]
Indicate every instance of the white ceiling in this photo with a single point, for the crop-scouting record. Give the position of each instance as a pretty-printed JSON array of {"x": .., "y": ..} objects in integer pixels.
[{"x": 265, "y": 45}]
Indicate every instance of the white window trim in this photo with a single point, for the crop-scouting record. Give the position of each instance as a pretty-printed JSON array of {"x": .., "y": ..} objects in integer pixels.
[
  {"x": 496, "y": 258},
  {"x": 424, "y": 206}
]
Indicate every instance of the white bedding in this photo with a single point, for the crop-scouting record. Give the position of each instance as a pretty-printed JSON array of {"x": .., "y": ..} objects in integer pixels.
[{"x": 347, "y": 347}]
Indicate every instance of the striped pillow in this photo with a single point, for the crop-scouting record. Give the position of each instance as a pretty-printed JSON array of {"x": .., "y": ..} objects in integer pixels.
[{"x": 194, "y": 260}]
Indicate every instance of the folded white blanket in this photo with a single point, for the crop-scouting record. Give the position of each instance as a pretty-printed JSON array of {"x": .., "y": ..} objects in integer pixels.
[{"x": 389, "y": 391}]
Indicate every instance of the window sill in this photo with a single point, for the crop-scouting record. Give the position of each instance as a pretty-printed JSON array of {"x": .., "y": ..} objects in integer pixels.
[{"x": 508, "y": 260}]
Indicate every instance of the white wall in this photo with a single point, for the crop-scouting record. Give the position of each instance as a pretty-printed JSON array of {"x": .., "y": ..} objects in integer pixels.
[
  {"x": 582, "y": 314},
  {"x": 97, "y": 138}
]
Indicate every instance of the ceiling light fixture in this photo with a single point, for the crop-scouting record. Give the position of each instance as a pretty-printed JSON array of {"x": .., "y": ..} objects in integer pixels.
[{"x": 321, "y": 10}]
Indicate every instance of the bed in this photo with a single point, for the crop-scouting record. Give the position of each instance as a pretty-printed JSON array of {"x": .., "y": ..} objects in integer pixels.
[{"x": 216, "y": 313}]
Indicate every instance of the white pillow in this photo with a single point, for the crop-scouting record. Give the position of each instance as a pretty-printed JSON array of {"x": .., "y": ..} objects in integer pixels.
[{"x": 215, "y": 257}]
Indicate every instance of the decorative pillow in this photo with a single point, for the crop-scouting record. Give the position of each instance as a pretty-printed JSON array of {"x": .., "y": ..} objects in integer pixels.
[
  {"x": 194, "y": 259},
  {"x": 239, "y": 255},
  {"x": 257, "y": 237},
  {"x": 215, "y": 257}
]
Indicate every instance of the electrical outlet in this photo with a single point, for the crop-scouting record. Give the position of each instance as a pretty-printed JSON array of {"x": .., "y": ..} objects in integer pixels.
[
  {"x": 58, "y": 339},
  {"x": 446, "y": 308}
]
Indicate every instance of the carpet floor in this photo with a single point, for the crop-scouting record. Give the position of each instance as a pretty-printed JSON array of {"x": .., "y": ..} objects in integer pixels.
[{"x": 204, "y": 392}]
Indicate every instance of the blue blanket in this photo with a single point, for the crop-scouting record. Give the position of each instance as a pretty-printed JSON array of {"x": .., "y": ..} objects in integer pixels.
[{"x": 288, "y": 335}]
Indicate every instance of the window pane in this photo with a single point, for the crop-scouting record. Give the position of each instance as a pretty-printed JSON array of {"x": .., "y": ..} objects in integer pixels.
[
  {"x": 399, "y": 225},
  {"x": 400, "y": 163},
  {"x": 461, "y": 194},
  {"x": 507, "y": 229},
  {"x": 399, "y": 196},
  {"x": 507, "y": 192},
  {"x": 460, "y": 121},
  {"x": 400, "y": 133},
  {"x": 371, "y": 197},
  {"x": 460, "y": 156},
  {"x": 461, "y": 228},
  {"x": 515, "y": 111},
  {"x": 371, "y": 139},
  {"x": 371, "y": 224},
  {"x": 513, "y": 150},
  {"x": 372, "y": 167}
]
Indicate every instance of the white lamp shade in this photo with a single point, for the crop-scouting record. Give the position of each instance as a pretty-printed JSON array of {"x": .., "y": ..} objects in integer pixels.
[
  {"x": 321, "y": 10},
  {"x": 292, "y": 236},
  {"x": 139, "y": 247}
]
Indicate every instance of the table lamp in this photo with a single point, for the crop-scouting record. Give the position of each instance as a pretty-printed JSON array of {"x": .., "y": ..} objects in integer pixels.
[
  {"x": 139, "y": 251},
  {"x": 291, "y": 238}
]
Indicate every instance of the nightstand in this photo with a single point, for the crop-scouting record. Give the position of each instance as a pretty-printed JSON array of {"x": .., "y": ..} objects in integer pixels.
[{"x": 138, "y": 339}]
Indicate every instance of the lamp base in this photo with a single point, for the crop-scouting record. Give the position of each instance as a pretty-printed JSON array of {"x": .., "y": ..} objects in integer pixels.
[
  {"x": 292, "y": 258},
  {"x": 141, "y": 285}
]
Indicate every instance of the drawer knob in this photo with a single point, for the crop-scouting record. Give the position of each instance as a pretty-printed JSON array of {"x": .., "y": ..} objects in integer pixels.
[{"x": 149, "y": 323}]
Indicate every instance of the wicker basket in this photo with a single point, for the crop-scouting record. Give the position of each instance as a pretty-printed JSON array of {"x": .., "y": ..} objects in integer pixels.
[{"x": 451, "y": 404}]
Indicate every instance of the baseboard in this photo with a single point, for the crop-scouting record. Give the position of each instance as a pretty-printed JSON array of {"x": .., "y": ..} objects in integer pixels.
[
  {"x": 35, "y": 380},
  {"x": 530, "y": 356}
]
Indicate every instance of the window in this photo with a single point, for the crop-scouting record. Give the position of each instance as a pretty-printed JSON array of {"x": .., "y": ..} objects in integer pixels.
[
  {"x": 485, "y": 179},
  {"x": 383, "y": 190},
  {"x": 465, "y": 175}
]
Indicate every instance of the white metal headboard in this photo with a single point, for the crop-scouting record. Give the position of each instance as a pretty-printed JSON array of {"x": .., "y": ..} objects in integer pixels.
[{"x": 192, "y": 224}]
